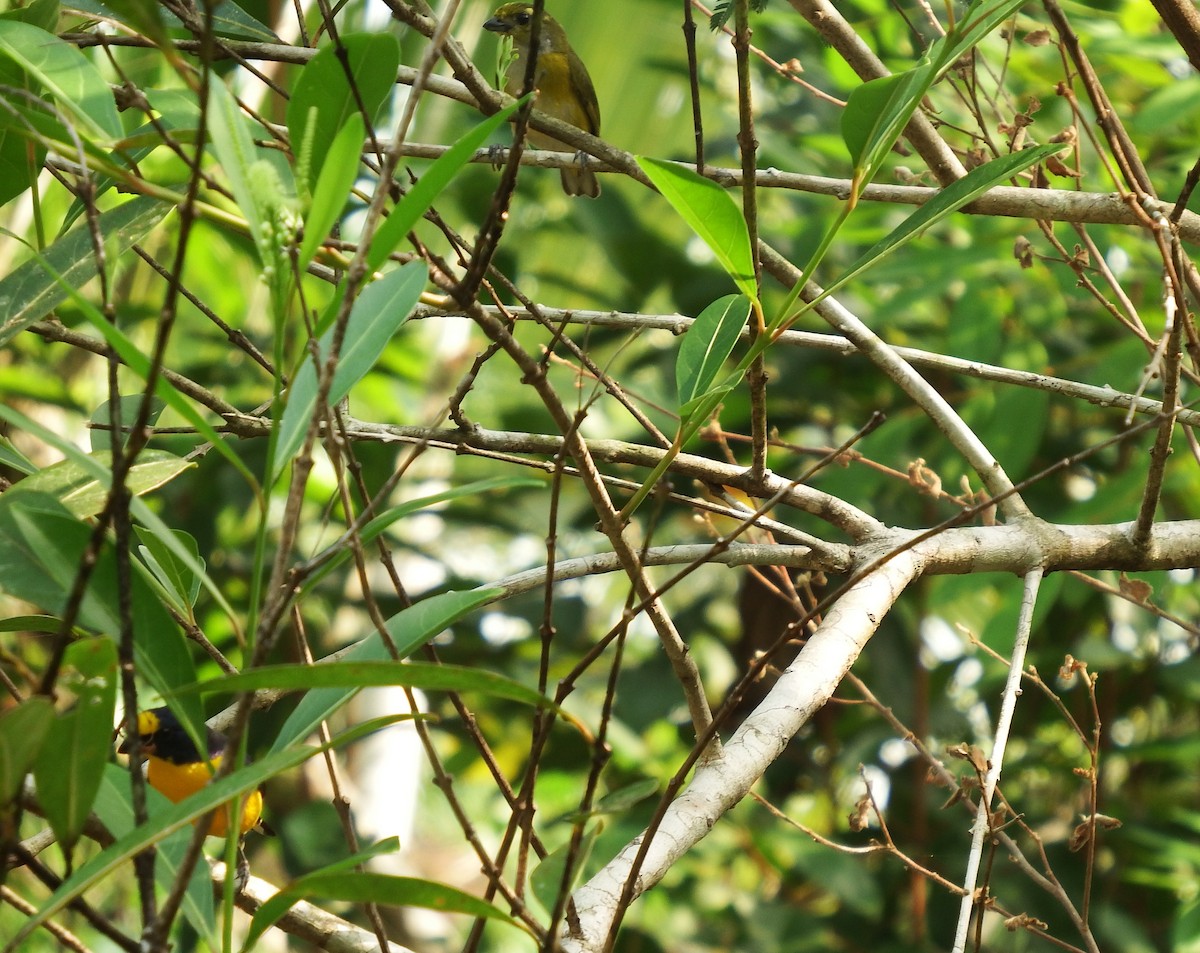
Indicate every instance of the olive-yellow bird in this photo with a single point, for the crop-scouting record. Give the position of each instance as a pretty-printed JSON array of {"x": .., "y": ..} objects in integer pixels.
[{"x": 565, "y": 90}]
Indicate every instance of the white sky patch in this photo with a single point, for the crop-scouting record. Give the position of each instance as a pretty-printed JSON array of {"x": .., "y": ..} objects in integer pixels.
[
  {"x": 940, "y": 640},
  {"x": 499, "y": 628},
  {"x": 895, "y": 751}
]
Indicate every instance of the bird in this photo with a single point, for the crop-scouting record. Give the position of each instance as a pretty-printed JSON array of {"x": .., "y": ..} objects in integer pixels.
[
  {"x": 175, "y": 768},
  {"x": 565, "y": 89}
]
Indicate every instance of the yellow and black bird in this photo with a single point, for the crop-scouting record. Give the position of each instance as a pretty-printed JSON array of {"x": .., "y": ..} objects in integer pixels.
[
  {"x": 175, "y": 767},
  {"x": 564, "y": 88}
]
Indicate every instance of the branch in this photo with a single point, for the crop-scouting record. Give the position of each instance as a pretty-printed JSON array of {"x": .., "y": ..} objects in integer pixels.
[{"x": 721, "y": 782}]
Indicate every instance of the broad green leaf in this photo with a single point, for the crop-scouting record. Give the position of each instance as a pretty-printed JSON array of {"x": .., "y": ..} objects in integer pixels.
[
  {"x": 332, "y": 188},
  {"x": 31, "y": 292},
  {"x": 417, "y": 200},
  {"x": 66, "y": 75},
  {"x": 41, "y": 546},
  {"x": 707, "y": 343},
  {"x": 347, "y": 674},
  {"x": 323, "y": 101},
  {"x": 382, "y": 889},
  {"x": 22, "y": 732},
  {"x": 876, "y": 114},
  {"x": 11, "y": 457},
  {"x": 114, "y": 807},
  {"x": 83, "y": 492},
  {"x": 547, "y": 878},
  {"x": 377, "y": 315},
  {"x": 173, "y": 574},
  {"x": 948, "y": 200},
  {"x": 40, "y": 13},
  {"x": 129, "y": 406},
  {"x": 410, "y": 629},
  {"x": 274, "y": 908},
  {"x": 69, "y": 769},
  {"x": 711, "y": 213},
  {"x": 141, "y": 512},
  {"x": 178, "y": 816}
]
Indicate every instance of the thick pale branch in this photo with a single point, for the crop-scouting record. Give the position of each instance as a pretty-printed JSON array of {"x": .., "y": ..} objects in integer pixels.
[{"x": 721, "y": 782}]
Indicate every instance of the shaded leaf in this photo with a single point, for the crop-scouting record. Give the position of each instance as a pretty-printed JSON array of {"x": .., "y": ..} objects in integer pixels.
[
  {"x": 410, "y": 629},
  {"x": 711, "y": 213},
  {"x": 69, "y": 769}
]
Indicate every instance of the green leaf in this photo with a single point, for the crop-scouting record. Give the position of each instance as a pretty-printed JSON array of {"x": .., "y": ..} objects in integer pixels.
[
  {"x": 11, "y": 457},
  {"x": 375, "y": 527},
  {"x": 83, "y": 492},
  {"x": 947, "y": 201},
  {"x": 323, "y": 101},
  {"x": 876, "y": 114},
  {"x": 41, "y": 547},
  {"x": 382, "y": 889},
  {"x": 410, "y": 629},
  {"x": 377, "y": 315},
  {"x": 114, "y": 807},
  {"x": 274, "y": 908},
  {"x": 347, "y": 674},
  {"x": 980, "y": 19},
  {"x": 129, "y": 406},
  {"x": 22, "y": 732},
  {"x": 141, "y": 512},
  {"x": 622, "y": 799},
  {"x": 69, "y": 769},
  {"x": 546, "y": 881},
  {"x": 707, "y": 343},
  {"x": 66, "y": 75},
  {"x": 178, "y": 816},
  {"x": 145, "y": 16},
  {"x": 235, "y": 150},
  {"x": 417, "y": 200},
  {"x": 175, "y": 575},
  {"x": 332, "y": 188},
  {"x": 711, "y": 213},
  {"x": 41, "y": 13},
  {"x": 31, "y": 292}
]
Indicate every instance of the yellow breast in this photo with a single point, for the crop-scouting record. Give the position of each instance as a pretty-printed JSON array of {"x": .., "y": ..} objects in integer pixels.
[{"x": 178, "y": 781}]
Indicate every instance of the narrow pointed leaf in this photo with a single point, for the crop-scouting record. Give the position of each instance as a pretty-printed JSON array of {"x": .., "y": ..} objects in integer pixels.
[
  {"x": 381, "y": 889},
  {"x": 421, "y": 196},
  {"x": 949, "y": 200},
  {"x": 33, "y": 291},
  {"x": 178, "y": 816},
  {"x": 712, "y": 215},
  {"x": 707, "y": 344},
  {"x": 410, "y": 628},
  {"x": 377, "y": 315}
]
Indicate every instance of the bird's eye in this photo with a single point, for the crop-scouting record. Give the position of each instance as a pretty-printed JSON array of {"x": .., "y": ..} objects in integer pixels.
[{"x": 523, "y": 18}]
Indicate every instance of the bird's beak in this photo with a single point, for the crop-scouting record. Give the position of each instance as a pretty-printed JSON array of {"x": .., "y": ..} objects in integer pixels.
[
  {"x": 496, "y": 25},
  {"x": 147, "y": 747}
]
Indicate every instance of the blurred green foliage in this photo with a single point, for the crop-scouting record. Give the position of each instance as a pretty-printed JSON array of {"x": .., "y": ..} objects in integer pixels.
[{"x": 755, "y": 883}]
